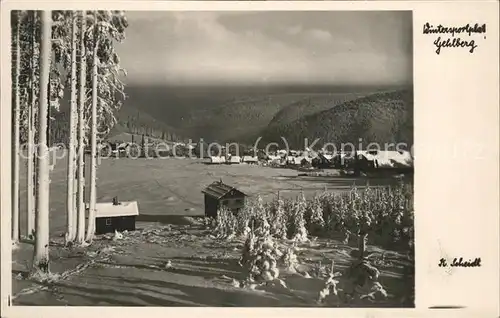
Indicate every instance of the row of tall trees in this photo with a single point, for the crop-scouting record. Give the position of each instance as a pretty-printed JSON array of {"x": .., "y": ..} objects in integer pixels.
[
  {"x": 134, "y": 125},
  {"x": 60, "y": 125},
  {"x": 53, "y": 52}
]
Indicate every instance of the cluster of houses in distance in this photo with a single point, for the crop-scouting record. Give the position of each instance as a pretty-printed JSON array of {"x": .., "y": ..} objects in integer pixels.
[
  {"x": 399, "y": 160},
  {"x": 394, "y": 160}
]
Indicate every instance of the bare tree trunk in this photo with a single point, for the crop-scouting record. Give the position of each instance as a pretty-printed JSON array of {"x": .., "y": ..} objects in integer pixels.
[
  {"x": 71, "y": 213},
  {"x": 80, "y": 232},
  {"x": 41, "y": 257},
  {"x": 30, "y": 218},
  {"x": 29, "y": 179},
  {"x": 362, "y": 238},
  {"x": 49, "y": 124},
  {"x": 16, "y": 134},
  {"x": 93, "y": 138}
]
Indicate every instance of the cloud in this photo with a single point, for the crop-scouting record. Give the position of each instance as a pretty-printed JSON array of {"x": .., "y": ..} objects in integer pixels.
[
  {"x": 311, "y": 34},
  {"x": 320, "y": 35},
  {"x": 201, "y": 47},
  {"x": 201, "y": 50},
  {"x": 294, "y": 30}
]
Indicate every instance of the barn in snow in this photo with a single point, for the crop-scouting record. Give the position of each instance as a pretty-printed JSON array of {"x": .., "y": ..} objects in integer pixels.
[{"x": 219, "y": 194}]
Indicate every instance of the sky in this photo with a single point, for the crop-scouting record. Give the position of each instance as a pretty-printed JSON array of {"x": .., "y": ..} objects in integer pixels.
[{"x": 265, "y": 48}]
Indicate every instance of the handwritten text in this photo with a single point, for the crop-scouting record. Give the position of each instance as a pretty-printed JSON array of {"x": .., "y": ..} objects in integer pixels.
[{"x": 446, "y": 36}]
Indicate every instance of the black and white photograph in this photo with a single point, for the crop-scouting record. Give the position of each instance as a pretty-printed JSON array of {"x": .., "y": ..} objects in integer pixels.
[{"x": 212, "y": 158}]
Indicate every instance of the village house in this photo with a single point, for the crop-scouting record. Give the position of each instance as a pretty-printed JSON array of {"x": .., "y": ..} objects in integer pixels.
[
  {"x": 250, "y": 160},
  {"x": 282, "y": 151},
  {"x": 309, "y": 153},
  {"x": 322, "y": 161},
  {"x": 275, "y": 160},
  {"x": 219, "y": 194},
  {"x": 115, "y": 216},
  {"x": 400, "y": 161},
  {"x": 118, "y": 149},
  {"x": 261, "y": 154},
  {"x": 293, "y": 160},
  {"x": 216, "y": 160},
  {"x": 234, "y": 160},
  {"x": 341, "y": 160},
  {"x": 306, "y": 162}
]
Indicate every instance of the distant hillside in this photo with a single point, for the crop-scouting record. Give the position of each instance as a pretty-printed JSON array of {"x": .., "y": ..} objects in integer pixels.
[
  {"x": 134, "y": 121},
  {"x": 130, "y": 120},
  {"x": 242, "y": 114},
  {"x": 238, "y": 119},
  {"x": 233, "y": 113},
  {"x": 312, "y": 104},
  {"x": 381, "y": 117}
]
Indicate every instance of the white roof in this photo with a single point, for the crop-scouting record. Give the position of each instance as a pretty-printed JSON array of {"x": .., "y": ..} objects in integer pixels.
[
  {"x": 249, "y": 158},
  {"x": 217, "y": 159},
  {"x": 235, "y": 159},
  {"x": 107, "y": 209},
  {"x": 342, "y": 155},
  {"x": 389, "y": 158},
  {"x": 312, "y": 154},
  {"x": 298, "y": 160},
  {"x": 271, "y": 157}
]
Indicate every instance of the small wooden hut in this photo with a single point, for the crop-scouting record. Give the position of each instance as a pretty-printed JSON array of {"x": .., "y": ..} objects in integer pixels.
[
  {"x": 115, "y": 216},
  {"x": 219, "y": 194}
]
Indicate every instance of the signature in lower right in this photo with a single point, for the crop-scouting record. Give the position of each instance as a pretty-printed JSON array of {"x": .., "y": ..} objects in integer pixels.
[{"x": 460, "y": 262}]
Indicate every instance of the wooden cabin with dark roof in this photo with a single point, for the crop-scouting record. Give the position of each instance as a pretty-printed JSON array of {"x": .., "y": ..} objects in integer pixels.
[{"x": 219, "y": 194}]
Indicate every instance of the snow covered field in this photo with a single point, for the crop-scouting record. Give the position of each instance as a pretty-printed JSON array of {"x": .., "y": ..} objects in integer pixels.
[{"x": 171, "y": 259}]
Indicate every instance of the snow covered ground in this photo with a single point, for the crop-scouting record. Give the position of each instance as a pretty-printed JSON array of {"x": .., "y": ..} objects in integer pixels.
[
  {"x": 181, "y": 265},
  {"x": 171, "y": 260}
]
